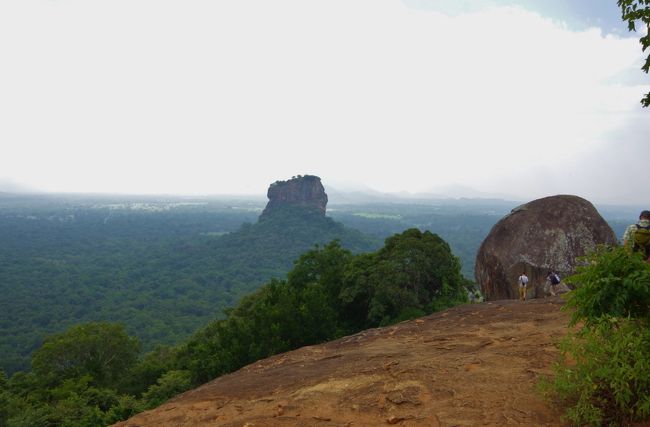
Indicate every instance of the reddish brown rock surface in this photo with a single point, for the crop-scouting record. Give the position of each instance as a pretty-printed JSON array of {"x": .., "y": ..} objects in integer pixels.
[
  {"x": 301, "y": 191},
  {"x": 472, "y": 365},
  {"x": 545, "y": 234}
]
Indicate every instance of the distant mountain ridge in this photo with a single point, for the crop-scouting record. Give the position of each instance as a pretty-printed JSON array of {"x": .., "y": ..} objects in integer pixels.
[
  {"x": 10, "y": 186},
  {"x": 434, "y": 195}
]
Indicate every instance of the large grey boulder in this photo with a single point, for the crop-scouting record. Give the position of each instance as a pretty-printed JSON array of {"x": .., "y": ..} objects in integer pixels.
[{"x": 546, "y": 234}]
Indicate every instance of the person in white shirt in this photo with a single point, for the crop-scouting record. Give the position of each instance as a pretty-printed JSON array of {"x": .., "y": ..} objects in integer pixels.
[{"x": 523, "y": 282}]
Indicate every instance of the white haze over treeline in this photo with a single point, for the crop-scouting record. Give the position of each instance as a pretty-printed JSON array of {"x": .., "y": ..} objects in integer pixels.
[{"x": 518, "y": 99}]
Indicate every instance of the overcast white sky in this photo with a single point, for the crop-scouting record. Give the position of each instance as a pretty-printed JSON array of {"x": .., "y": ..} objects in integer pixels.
[{"x": 523, "y": 98}]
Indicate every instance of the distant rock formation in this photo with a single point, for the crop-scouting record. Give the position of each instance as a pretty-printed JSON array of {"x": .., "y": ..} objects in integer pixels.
[
  {"x": 300, "y": 191},
  {"x": 542, "y": 235}
]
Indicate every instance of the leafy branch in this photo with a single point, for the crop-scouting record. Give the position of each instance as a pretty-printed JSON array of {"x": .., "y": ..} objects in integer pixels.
[{"x": 633, "y": 11}]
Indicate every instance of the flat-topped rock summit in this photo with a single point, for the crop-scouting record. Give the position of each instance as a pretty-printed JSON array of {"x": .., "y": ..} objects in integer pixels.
[{"x": 306, "y": 192}]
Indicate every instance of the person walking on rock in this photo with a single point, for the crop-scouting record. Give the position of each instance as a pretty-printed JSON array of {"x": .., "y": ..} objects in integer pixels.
[
  {"x": 637, "y": 236},
  {"x": 522, "y": 282},
  {"x": 554, "y": 280}
]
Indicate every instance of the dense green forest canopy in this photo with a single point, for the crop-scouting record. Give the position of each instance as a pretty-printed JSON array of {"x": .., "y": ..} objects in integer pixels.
[
  {"x": 162, "y": 267},
  {"x": 91, "y": 374},
  {"x": 166, "y": 266}
]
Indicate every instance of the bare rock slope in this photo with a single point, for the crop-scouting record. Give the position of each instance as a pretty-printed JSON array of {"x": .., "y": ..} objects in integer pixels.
[
  {"x": 546, "y": 234},
  {"x": 475, "y": 364}
]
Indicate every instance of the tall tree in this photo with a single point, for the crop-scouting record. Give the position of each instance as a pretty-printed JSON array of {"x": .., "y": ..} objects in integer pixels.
[
  {"x": 633, "y": 11},
  {"x": 102, "y": 350},
  {"x": 415, "y": 273}
]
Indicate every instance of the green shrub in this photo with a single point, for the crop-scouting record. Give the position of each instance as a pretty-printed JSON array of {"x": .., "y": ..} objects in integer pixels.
[
  {"x": 611, "y": 282},
  {"x": 127, "y": 407},
  {"x": 603, "y": 376},
  {"x": 169, "y": 385}
]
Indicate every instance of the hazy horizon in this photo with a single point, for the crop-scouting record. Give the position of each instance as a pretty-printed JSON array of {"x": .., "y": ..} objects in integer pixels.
[
  {"x": 337, "y": 195},
  {"x": 517, "y": 98}
]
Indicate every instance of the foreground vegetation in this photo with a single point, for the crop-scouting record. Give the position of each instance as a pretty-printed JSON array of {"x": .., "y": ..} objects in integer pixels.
[
  {"x": 93, "y": 374},
  {"x": 603, "y": 377}
]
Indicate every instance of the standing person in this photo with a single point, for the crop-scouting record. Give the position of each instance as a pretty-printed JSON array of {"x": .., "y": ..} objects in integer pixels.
[
  {"x": 637, "y": 236},
  {"x": 523, "y": 282}
]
